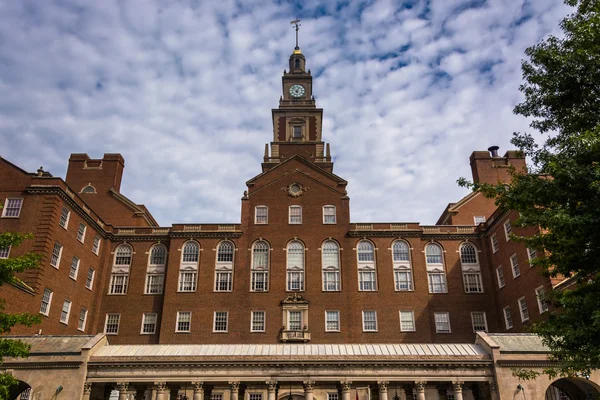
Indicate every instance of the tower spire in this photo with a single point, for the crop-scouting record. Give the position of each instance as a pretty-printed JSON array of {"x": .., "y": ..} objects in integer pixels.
[{"x": 297, "y": 27}]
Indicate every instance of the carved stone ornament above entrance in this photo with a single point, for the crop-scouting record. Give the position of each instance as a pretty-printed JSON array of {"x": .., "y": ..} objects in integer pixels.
[
  {"x": 295, "y": 189},
  {"x": 294, "y": 299}
]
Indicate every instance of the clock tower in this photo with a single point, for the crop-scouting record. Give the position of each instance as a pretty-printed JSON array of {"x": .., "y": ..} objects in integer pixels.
[{"x": 297, "y": 123}]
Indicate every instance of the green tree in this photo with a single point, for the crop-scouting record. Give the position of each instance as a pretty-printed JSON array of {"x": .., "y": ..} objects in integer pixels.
[
  {"x": 561, "y": 193},
  {"x": 8, "y": 269}
]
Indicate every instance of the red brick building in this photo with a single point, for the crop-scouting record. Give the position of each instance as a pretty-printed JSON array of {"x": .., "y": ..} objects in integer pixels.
[{"x": 294, "y": 269}]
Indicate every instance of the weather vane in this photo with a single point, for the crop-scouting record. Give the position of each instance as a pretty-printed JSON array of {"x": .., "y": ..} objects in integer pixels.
[{"x": 297, "y": 26}]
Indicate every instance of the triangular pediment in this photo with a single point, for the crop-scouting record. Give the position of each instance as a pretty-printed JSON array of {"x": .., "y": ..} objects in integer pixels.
[{"x": 303, "y": 160}]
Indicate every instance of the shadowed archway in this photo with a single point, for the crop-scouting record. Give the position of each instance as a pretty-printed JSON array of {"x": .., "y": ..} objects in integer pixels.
[{"x": 572, "y": 389}]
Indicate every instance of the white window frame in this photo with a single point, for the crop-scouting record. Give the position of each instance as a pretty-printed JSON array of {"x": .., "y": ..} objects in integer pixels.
[
  {"x": 57, "y": 262},
  {"x": 412, "y": 316},
  {"x": 81, "y": 324},
  {"x": 508, "y": 322},
  {"x": 155, "y": 271},
  {"x": 64, "y": 315},
  {"x": 329, "y": 256},
  {"x": 471, "y": 270},
  {"x": 74, "y": 269},
  {"x": 221, "y": 313},
  {"x": 364, "y": 320},
  {"x": 401, "y": 268},
  {"x": 254, "y": 319},
  {"x": 177, "y": 321},
  {"x": 80, "y": 233},
  {"x": 327, "y": 320},
  {"x": 255, "y": 396},
  {"x": 224, "y": 267},
  {"x": 542, "y": 304},
  {"x": 327, "y": 213},
  {"x": 89, "y": 280},
  {"x": 473, "y": 287},
  {"x": 501, "y": 279},
  {"x": 523, "y": 309},
  {"x": 290, "y": 320},
  {"x": 473, "y": 314},
  {"x": 435, "y": 269},
  {"x": 531, "y": 257},
  {"x": 507, "y": 229},
  {"x": 6, "y": 208},
  {"x": 5, "y": 253},
  {"x": 96, "y": 245},
  {"x": 120, "y": 270},
  {"x": 118, "y": 323},
  {"x": 47, "y": 303},
  {"x": 480, "y": 218},
  {"x": 297, "y": 221},
  {"x": 188, "y": 268},
  {"x": 494, "y": 243},
  {"x": 116, "y": 284},
  {"x": 514, "y": 262},
  {"x": 257, "y": 271},
  {"x": 266, "y": 216},
  {"x": 64, "y": 224},
  {"x": 293, "y": 271},
  {"x": 144, "y": 322},
  {"x": 438, "y": 327},
  {"x": 366, "y": 268}
]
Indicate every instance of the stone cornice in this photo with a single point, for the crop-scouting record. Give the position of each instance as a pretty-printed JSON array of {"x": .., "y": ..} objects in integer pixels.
[
  {"x": 41, "y": 365},
  {"x": 413, "y": 233}
]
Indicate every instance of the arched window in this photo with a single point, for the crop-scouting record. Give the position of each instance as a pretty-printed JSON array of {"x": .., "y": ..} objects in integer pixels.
[
  {"x": 119, "y": 277},
  {"x": 366, "y": 266},
  {"x": 330, "y": 261},
  {"x": 224, "y": 267},
  {"x": 155, "y": 272},
  {"x": 188, "y": 269},
  {"x": 402, "y": 268},
  {"x": 470, "y": 268},
  {"x": 89, "y": 189},
  {"x": 436, "y": 274},
  {"x": 295, "y": 265},
  {"x": 260, "y": 266},
  {"x": 297, "y": 63}
]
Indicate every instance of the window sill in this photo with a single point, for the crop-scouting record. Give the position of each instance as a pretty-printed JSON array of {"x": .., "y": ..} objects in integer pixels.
[
  {"x": 338, "y": 331},
  {"x": 219, "y": 332},
  {"x": 45, "y": 315},
  {"x": 111, "y": 333},
  {"x": 9, "y": 216},
  {"x": 257, "y": 331},
  {"x": 370, "y": 331},
  {"x": 153, "y": 294},
  {"x": 73, "y": 279},
  {"x": 64, "y": 323},
  {"x": 88, "y": 288},
  {"x": 116, "y": 294},
  {"x": 147, "y": 333},
  {"x": 81, "y": 330},
  {"x": 183, "y": 332},
  {"x": 186, "y": 291}
]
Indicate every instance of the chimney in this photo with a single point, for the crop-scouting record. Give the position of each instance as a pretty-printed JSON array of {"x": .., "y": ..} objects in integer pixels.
[
  {"x": 101, "y": 173},
  {"x": 489, "y": 167},
  {"x": 493, "y": 150}
]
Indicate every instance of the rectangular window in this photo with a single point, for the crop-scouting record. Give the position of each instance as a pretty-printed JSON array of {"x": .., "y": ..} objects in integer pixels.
[
  {"x": 507, "y": 230},
  {"x": 437, "y": 282},
  {"x": 255, "y": 396},
  {"x": 495, "y": 245},
  {"x": 500, "y": 276},
  {"x": 331, "y": 281},
  {"x": 297, "y": 132},
  {"x": 81, "y": 232},
  {"x": 295, "y": 215},
  {"x": 56, "y": 253},
  {"x": 332, "y": 321},
  {"x": 118, "y": 284},
  {"x": 216, "y": 396},
  {"x": 294, "y": 320},
  {"x": 369, "y": 321},
  {"x": 184, "y": 321},
  {"x": 442, "y": 322},
  {"x": 403, "y": 280},
  {"x": 111, "y": 326},
  {"x": 96, "y": 245},
  {"x": 154, "y": 283},
  {"x": 473, "y": 283},
  {"x": 514, "y": 263},
  {"x": 220, "y": 324},
  {"x": 187, "y": 281},
  {"x": 541, "y": 300},
  {"x": 295, "y": 280},
  {"x": 148, "y": 324},
  {"x": 333, "y": 396},
  {"x": 74, "y": 268},
  {"x": 46, "y": 301},
  {"x": 4, "y": 252},
  {"x": 531, "y": 254},
  {"x": 261, "y": 215},
  {"x": 366, "y": 280},
  {"x": 89, "y": 281},
  {"x": 66, "y": 310},
  {"x": 223, "y": 281},
  {"x": 64, "y": 217},
  {"x": 479, "y": 219},
  {"x": 329, "y": 215},
  {"x": 82, "y": 320},
  {"x": 12, "y": 208},
  {"x": 407, "y": 321},
  {"x": 258, "y": 321},
  {"x": 479, "y": 321},
  {"x": 523, "y": 309},
  {"x": 507, "y": 318}
]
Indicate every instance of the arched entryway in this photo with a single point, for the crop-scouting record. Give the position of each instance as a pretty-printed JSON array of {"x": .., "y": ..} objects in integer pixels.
[
  {"x": 21, "y": 391},
  {"x": 573, "y": 389}
]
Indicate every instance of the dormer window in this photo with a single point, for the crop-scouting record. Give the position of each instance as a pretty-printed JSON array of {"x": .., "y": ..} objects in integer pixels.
[{"x": 297, "y": 132}]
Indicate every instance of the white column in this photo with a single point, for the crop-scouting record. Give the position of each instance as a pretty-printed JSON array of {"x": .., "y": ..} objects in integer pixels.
[
  {"x": 383, "y": 390},
  {"x": 457, "y": 386},
  {"x": 346, "y": 386},
  {"x": 87, "y": 391},
  {"x": 198, "y": 390},
  {"x": 161, "y": 389},
  {"x": 122, "y": 387},
  {"x": 271, "y": 388},
  {"x": 420, "y": 387},
  {"x": 234, "y": 388},
  {"x": 309, "y": 386}
]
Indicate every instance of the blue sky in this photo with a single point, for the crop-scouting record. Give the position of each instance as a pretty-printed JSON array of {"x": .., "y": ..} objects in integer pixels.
[{"x": 183, "y": 90}]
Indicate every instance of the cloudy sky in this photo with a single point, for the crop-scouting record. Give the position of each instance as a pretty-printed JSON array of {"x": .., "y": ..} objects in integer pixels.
[{"x": 183, "y": 90}]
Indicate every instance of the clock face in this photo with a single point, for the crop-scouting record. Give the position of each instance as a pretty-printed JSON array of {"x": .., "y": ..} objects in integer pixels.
[{"x": 297, "y": 91}]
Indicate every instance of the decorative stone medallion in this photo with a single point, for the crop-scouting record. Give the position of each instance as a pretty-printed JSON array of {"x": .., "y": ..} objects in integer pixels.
[{"x": 295, "y": 189}]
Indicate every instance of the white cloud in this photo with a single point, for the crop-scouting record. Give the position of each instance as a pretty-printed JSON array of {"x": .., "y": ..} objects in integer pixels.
[{"x": 184, "y": 90}]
